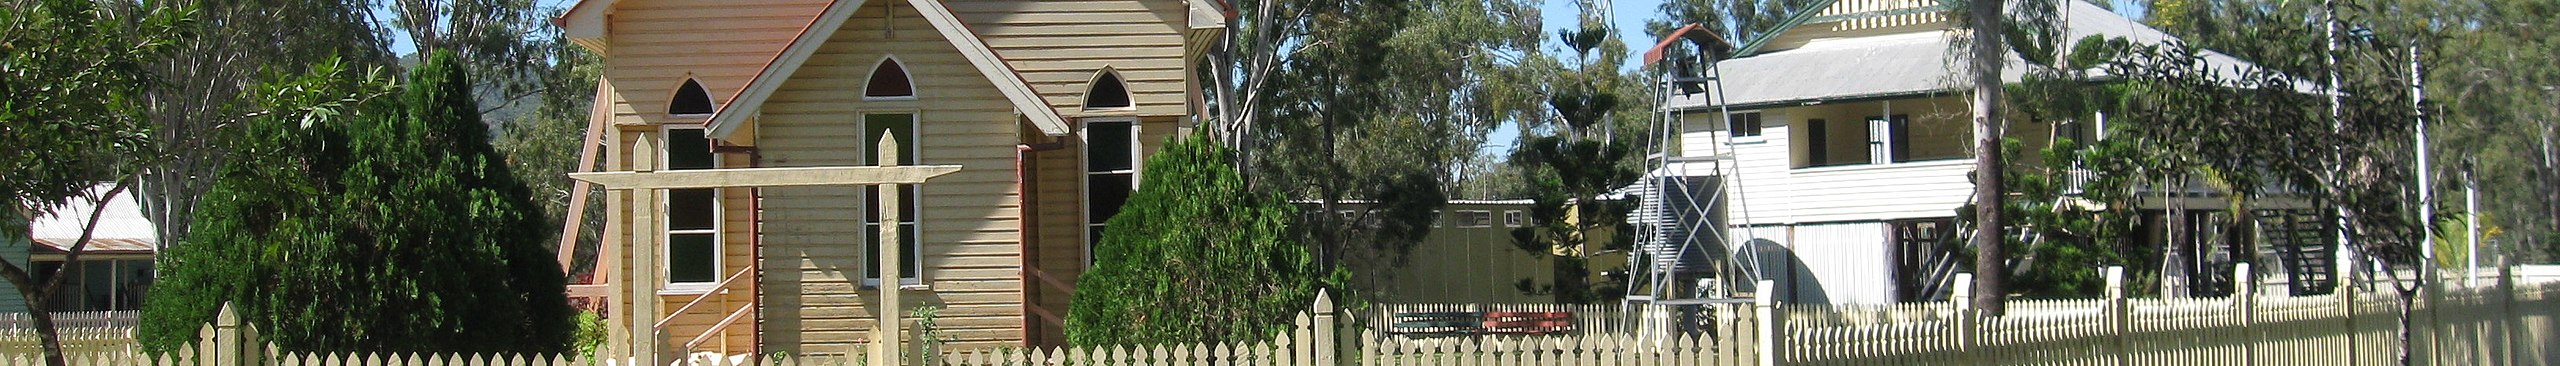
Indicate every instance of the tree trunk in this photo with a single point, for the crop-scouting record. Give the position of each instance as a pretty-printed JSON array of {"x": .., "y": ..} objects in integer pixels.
[
  {"x": 2550, "y": 176},
  {"x": 1988, "y": 270},
  {"x": 52, "y": 338},
  {"x": 2408, "y": 300}
]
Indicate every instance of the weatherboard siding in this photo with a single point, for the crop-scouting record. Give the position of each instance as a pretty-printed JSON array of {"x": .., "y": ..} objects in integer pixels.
[
  {"x": 721, "y": 44},
  {"x": 1057, "y": 46},
  {"x": 813, "y": 238}
]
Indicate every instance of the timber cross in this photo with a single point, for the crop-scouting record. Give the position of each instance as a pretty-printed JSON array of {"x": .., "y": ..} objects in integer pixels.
[{"x": 646, "y": 184}]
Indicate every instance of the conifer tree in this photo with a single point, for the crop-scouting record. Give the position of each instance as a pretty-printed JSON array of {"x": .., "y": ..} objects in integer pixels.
[{"x": 394, "y": 229}]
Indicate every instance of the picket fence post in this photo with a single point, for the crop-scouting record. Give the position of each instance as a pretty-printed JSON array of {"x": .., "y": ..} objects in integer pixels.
[
  {"x": 226, "y": 342},
  {"x": 1771, "y": 335},
  {"x": 1966, "y": 325},
  {"x": 2119, "y": 316},
  {"x": 1324, "y": 332},
  {"x": 2346, "y": 294},
  {"x": 2506, "y": 310},
  {"x": 2247, "y": 292}
]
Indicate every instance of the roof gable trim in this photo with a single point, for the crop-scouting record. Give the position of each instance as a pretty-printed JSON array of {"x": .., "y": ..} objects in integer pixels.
[{"x": 750, "y": 98}]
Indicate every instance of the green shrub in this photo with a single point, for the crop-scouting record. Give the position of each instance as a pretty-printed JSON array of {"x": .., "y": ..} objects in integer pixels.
[{"x": 1195, "y": 256}]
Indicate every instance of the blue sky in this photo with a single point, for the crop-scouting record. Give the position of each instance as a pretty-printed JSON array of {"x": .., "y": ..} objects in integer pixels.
[{"x": 400, "y": 40}]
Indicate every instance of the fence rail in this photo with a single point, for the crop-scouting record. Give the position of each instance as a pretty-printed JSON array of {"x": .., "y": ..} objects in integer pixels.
[{"x": 74, "y": 319}]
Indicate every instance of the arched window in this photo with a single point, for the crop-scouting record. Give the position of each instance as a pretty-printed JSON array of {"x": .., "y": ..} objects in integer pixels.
[
  {"x": 888, "y": 80},
  {"x": 690, "y": 100},
  {"x": 1106, "y": 92}
]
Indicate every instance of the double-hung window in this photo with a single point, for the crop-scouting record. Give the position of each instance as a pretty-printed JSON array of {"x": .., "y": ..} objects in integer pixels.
[
  {"x": 693, "y": 215},
  {"x": 1110, "y": 171},
  {"x": 902, "y": 128},
  {"x": 1746, "y": 124}
]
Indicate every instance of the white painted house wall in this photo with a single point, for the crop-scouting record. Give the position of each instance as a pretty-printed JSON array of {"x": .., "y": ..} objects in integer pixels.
[
  {"x": 1830, "y": 218},
  {"x": 1771, "y": 192}
]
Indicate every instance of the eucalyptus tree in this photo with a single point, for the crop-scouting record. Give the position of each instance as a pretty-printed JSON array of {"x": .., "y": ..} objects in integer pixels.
[
  {"x": 505, "y": 44},
  {"x": 231, "y": 46},
  {"x": 543, "y": 146},
  {"x": 1381, "y": 102},
  {"x": 2500, "y": 91},
  {"x": 1983, "y": 56}
]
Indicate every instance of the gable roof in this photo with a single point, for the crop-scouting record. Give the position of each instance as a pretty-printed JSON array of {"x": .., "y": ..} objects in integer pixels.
[
  {"x": 583, "y": 24},
  {"x": 122, "y": 228},
  {"x": 750, "y": 98}
]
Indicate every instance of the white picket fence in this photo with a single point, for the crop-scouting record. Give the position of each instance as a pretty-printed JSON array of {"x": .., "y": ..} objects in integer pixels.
[
  {"x": 229, "y": 342},
  {"x": 2505, "y": 322},
  {"x": 2509, "y": 323}
]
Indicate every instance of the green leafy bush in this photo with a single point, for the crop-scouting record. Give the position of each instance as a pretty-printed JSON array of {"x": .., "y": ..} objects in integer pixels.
[{"x": 1195, "y": 256}]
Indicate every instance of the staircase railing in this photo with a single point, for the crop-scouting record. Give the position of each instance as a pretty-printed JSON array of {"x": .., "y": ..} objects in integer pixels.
[{"x": 717, "y": 288}]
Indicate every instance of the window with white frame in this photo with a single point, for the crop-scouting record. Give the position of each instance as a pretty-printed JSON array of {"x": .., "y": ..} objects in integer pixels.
[
  {"x": 693, "y": 214},
  {"x": 1110, "y": 174},
  {"x": 902, "y": 128},
  {"x": 1475, "y": 218},
  {"x": 1513, "y": 218}
]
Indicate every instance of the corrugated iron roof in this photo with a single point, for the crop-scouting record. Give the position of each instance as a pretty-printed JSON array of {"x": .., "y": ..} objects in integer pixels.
[
  {"x": 123, "y": 226},
  {"x": 97, "y": 246},
  {"x": 1905, "y": 64}
]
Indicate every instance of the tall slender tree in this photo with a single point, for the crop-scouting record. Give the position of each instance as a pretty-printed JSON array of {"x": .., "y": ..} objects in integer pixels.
[
  {"x": 232, "y": 45},
  {"x": 1985, "y": 24}
]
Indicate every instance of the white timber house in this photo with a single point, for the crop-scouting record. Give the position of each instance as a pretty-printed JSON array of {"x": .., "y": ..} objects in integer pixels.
[{"x": 1849, "y": 148}]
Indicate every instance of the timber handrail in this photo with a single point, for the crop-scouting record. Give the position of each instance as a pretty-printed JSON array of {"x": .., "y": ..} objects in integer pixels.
[
  {"x": 696, "y": 343},
  {"x": 706, "y": 295}
]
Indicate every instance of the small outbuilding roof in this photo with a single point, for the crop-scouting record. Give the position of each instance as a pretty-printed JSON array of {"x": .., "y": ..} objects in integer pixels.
[{"x": 123, "y": 229}]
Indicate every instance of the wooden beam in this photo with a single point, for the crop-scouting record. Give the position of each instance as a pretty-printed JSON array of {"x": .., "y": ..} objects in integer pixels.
[
  {"x": 765, "y": 177},
  {"x": 587, "y": 150},
  {"x": 590, "y": 291}
]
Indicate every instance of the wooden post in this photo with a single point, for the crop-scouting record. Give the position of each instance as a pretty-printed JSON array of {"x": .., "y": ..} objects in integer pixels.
[
  {"x": 891, "y": 243},
  {"x": 226, "y": 344},
  {"x": 2431, "y": 295},
  {"x": 1770, "y": 326},
  {"x": 609, "y": 262},
  {"x": 2346, "y": 295},
  {"x": 649, "y": 225},
  {"x": 2507, "y": 308},
  {"x": 2119, "y": 316},
  {"x": 1965, "y": 323},
  {"x": 1325, "y": 338},
  {"x": 2246, "y": 292}
]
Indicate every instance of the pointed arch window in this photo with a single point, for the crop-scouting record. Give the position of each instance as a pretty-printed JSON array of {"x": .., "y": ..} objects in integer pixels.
[
  {"x": 1106, "y": 92},
  {"x": 888, "y": 81},
  {"x": 690, "y": 100}
]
